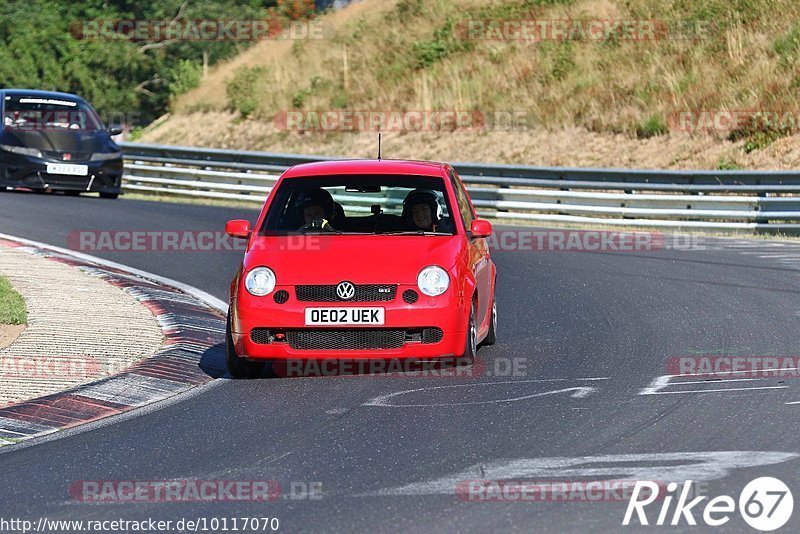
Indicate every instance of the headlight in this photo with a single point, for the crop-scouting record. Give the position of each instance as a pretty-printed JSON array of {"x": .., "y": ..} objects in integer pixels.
[
  {"x": 260, "y": 281},
  {"x": 105, "y": 156},
  {"x": 433, "y": 281},
  {"x": 23, "y": 150}
]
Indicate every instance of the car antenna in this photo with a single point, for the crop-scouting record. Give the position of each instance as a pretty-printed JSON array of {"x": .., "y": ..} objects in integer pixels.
[{"x": 379, "y": 146}]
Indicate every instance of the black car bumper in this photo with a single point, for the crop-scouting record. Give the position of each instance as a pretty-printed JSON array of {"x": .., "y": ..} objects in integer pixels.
[{"x": 31, "y": 173}]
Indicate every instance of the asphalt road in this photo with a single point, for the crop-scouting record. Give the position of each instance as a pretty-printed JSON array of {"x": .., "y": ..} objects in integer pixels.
[{"x": 585, "y": 334}]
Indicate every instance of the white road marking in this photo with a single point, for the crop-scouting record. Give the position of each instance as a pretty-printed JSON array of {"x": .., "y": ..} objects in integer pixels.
[
  {"x": 661, "y": 382},
  {"x": 717, "y": 390},
  {"x": 658, "y": 383},
  {"x": 578, "y": 392},
  {"x": 793, "y": 402},
  {"x": 715, "y": 381},
  {"x": 710, "y": 465},
  {"x": 720, "y": 373}
]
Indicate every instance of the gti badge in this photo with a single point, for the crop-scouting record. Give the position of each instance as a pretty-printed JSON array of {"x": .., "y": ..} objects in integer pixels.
[{"x": 345, "y": 290}]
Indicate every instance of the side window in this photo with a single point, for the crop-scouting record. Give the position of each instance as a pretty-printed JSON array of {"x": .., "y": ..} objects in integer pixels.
[{"x": 463, "y": 203}]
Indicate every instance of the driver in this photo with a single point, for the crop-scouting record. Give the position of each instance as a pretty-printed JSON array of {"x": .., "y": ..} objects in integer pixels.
[
  {"x": 316, "y": 205},
  {"x": 421, "y": 209}
]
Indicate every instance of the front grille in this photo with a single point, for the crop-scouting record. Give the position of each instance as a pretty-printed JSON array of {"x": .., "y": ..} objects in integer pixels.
[
  {"x": 432, "y": 335},
  {"x": 364, "y": 293},
  {"x": 281, "y": 297},
  {"x": 410, "y": 296},
  {"x": 260, "y": 336},
  {"x": 346, "y": 339}
]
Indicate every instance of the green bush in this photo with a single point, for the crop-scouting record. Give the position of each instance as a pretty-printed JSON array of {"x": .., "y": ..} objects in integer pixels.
[
  {"x": 761, "y": 131},
  {"x": 652, "y": 127},
  {"x": 185, "y": 76},
  {"x": 787, "y": 47},
  {"x": 726, "y": 164},
  {"x": 241, "y": 90},
  {"x": 444, "y": 43}
]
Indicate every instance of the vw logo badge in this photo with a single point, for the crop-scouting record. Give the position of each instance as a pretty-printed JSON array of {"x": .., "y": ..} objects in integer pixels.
[{"x": 346, "y": 291}]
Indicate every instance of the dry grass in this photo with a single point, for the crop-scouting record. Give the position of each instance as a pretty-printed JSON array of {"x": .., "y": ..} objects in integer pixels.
[{"x": 587, "y": 103}]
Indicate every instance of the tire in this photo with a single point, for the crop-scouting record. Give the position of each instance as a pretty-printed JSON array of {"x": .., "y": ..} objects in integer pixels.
[
  {"x": 239, "y": 367},
  {"x": 471, "y": 345},
  {"x": 491, "y": 337},
  {"x": 109, "y": 195}
]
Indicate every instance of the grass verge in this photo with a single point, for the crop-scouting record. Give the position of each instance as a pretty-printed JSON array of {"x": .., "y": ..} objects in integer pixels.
[{"x": 12, "y": 306}]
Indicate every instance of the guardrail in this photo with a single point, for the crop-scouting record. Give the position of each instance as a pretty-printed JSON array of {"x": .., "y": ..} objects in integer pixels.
[{"x": 716, "y": 200}]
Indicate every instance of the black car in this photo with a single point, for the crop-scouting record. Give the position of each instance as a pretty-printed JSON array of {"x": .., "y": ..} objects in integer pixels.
[{"x": 56, "y": 142}]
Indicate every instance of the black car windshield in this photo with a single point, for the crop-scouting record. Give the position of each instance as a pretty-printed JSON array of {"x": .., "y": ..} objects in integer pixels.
[
  {"x": 360, "y": 204},
  {"x": 37, "y": 113}
]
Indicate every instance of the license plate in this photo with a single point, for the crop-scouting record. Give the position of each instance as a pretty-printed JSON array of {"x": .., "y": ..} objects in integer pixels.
[
  {"x": 345, "y": 316},
  {"x": 67, "y": 168}
]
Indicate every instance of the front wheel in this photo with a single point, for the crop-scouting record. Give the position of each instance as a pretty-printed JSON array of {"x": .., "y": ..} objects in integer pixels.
[
  {"x": 109, "y": 195},
  {"x": 471, "y": 346},
  {"x": 239, "y": 367}
]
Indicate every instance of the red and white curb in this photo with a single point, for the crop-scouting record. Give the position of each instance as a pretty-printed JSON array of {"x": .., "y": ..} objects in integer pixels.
[{"x": 193, "y": 324}]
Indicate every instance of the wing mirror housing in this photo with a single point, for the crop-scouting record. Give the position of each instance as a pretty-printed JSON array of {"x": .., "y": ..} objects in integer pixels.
[
  {"x": 481, "y": 228},
  {"x": 238, "y": 229}
]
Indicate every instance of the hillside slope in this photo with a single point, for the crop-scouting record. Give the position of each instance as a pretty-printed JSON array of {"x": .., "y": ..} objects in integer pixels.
[{"x": 608, "y": 101}]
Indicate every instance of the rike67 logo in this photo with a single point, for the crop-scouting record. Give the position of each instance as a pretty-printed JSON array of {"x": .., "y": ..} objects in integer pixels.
[{"x": 765, "y": 504}]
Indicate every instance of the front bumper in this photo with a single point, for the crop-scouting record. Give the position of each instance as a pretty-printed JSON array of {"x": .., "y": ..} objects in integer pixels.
[
  {"x": 31, "y": 173},
  {"x": 446, "y": 313}
]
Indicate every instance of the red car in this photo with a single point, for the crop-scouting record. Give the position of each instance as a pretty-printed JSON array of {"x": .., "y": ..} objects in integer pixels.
[{"x": 362, "y": 259}]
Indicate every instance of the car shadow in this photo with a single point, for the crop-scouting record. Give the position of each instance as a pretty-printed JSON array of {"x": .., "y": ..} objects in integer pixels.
[{"x": 212, "y": 361}]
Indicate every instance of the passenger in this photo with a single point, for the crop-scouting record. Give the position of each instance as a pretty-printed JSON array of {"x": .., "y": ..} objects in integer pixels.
[
  {"x": 316, "y": 205},
  {"x": 421, "y": 210}
]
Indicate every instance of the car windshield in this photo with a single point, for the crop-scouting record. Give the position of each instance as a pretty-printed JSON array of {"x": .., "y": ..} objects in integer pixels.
[
  {"x": 363, "y": 204},
  {"x": 46, "y": 113}
]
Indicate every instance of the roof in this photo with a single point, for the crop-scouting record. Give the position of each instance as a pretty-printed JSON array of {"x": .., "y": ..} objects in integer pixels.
[
  {"x": 368, "y": 166},
  {"x": 41, "y": 94}
]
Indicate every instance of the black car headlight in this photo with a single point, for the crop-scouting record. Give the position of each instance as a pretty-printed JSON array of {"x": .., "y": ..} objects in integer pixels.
[{"x": 22, "y": 150}]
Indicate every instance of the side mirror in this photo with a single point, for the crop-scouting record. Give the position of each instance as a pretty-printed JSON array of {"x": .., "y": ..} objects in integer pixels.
[
  {"x": 481, "y": 228},
  {"x": 114, "y": 130},
  {"x": 238, "y": 229}
]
